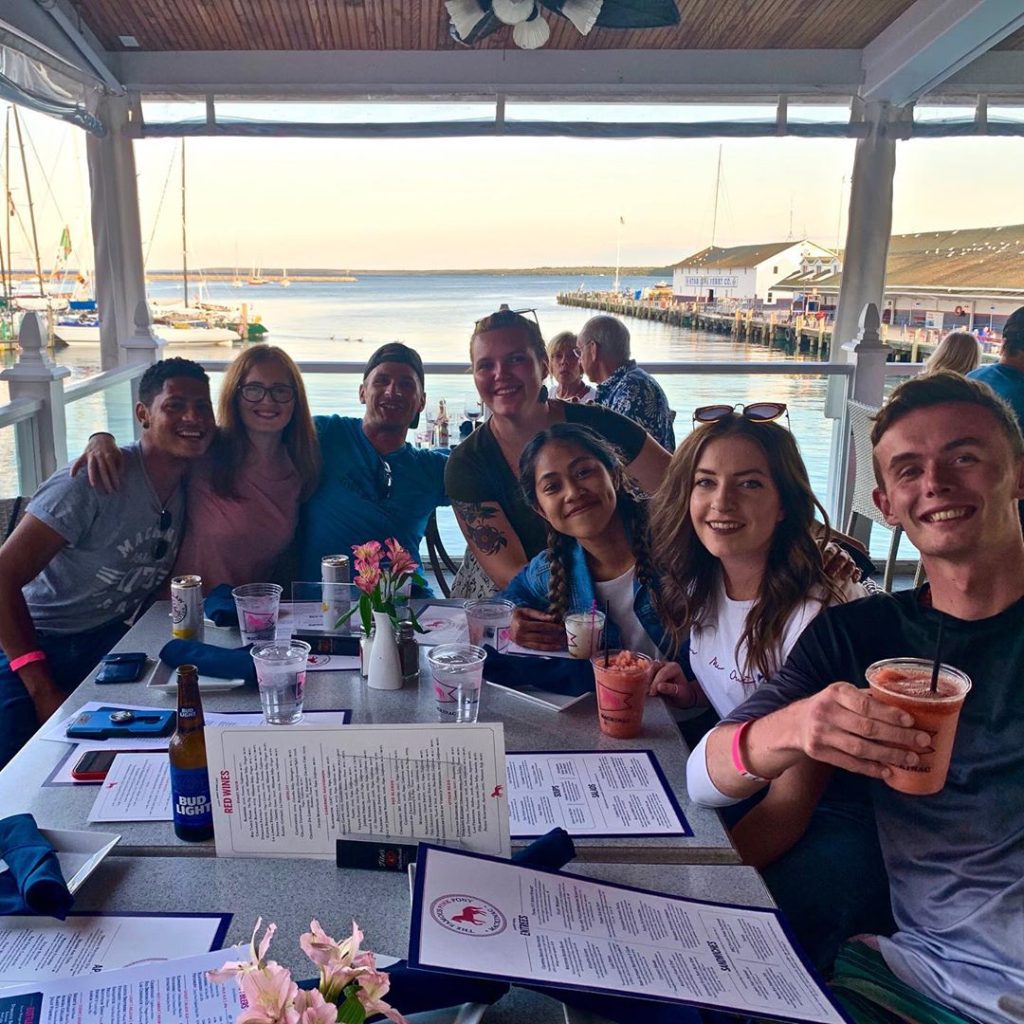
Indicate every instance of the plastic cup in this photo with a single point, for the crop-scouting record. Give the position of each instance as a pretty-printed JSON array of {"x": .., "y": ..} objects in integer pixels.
[
  {"x": 583, "y": 633},
  {"x": 257, "y": 606},
  {"x": 281, "y": 674},
  {"x": 621, "y": 691},
  {"x": 457, "y": 673},
  {"x": 905, "y": 683},
  {"x": 490, "y": 620}
]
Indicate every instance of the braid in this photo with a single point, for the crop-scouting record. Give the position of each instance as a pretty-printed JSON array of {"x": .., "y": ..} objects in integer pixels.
[
  {"x": 645, "y": 573},
  {"x": 558, "y": 587}
]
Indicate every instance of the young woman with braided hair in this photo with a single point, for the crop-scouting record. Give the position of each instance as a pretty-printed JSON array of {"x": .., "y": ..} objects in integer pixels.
[{"x": 597, "y": 547}]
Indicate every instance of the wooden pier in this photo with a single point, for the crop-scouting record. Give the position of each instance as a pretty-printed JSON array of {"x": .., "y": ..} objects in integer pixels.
[{"x": 804, "y": 334}]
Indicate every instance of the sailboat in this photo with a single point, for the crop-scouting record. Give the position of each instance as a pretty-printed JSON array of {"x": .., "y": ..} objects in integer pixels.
[
  {"x": 256, "y": 277},
  {"x": 191, "y": 325},
  {"x": 284, "y": 282}
]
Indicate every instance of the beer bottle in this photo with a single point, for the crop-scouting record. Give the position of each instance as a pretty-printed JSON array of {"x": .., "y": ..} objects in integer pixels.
[{"x": 190, "y": 784}]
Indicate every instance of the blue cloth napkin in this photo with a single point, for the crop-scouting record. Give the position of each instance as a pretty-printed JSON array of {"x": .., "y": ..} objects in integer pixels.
[
  {"x": 33, "y": 883},
  {"x": 566, "y": 676},
  {"x": 219, "y": 606},
  {"x": 222, "y": 662}
]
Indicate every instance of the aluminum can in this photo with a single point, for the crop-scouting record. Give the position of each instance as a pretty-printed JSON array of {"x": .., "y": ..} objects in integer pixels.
[
  {"x": 335, "y": 574},
  {"x": 187, "y": 608}
]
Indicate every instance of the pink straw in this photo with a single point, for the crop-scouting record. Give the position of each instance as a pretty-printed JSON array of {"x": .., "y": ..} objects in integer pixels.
[{"x": 593, "y": 622}]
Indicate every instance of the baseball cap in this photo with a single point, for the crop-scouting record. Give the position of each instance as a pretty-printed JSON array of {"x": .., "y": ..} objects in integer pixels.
[{"x": 395, "y": 352}]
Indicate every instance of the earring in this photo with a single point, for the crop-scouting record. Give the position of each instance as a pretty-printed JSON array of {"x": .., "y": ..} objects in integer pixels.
[{"x": 145, "y": 424}]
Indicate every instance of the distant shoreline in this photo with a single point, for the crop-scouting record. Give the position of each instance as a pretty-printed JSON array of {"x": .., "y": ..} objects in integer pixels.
[{"x": 314, "y": 274}]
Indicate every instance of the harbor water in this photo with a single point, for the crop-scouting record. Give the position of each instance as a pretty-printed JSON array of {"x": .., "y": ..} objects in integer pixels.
[{"x": 435, "y": 314}]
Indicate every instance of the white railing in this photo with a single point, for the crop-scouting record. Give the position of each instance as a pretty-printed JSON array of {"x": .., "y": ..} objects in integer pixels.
[{"x": 39, "y": 400}]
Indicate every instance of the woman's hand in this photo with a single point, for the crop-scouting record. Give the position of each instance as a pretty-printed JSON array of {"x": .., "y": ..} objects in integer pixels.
[
  {"x": 540, "y": 631},
  {"x": 839, "y": 564},
  {"x": 668, "y": 680},
  {"x": 102, "y": 460}
]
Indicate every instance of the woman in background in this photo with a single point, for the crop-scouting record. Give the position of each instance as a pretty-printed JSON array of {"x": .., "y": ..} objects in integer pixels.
[
  {"x": 564, "y": 358},
  {"x": 958, "y": 351}
]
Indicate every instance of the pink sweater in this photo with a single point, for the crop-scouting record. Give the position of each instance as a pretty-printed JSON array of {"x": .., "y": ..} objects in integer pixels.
[{"x": 240, "y": 541}]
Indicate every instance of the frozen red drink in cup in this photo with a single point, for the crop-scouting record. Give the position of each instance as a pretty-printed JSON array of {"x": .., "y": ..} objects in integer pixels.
[
  {"x": 621, "y": 689},
  {"x": 905, "y": 683}
]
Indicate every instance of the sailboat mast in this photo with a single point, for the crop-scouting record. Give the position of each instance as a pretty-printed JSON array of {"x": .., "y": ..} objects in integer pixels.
[
  {"x": 31, "y": 209},
  {"x": 618, "y": 255},
  {"x": 184, "y": 235},
  {"x": 718, "y": 185}
]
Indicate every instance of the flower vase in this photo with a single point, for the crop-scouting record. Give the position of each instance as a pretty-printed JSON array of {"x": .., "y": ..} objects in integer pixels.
[
  {"x": 365, "y": 647},
  {"x": 385, "y": 665}
]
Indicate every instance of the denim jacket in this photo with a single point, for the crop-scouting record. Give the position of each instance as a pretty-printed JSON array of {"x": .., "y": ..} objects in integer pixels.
[{"x": 530, "y": 588}]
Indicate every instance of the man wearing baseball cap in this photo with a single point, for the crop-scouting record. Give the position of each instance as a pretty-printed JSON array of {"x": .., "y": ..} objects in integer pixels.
[{"x": 373, "y": 484}]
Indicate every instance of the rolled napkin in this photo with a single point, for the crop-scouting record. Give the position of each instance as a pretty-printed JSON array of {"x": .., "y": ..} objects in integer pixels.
[
  {"x": 566, "y": 676},
  {"x": 219, "y": 606},
  {"x": 221, "y": 662},
  {"x": 33, "y": 882}
]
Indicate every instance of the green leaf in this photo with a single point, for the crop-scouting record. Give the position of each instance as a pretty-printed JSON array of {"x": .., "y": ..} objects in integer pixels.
[{"x": 351, "y": 1011}]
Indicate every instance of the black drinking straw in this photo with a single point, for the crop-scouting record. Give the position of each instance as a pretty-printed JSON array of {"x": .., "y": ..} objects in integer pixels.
[
  {"x": 606, "y": 634},
  {"x": 938, "y": 659}
]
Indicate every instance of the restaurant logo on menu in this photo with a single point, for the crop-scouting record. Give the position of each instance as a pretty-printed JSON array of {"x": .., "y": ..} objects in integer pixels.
[{"x": 468, "y": 915}]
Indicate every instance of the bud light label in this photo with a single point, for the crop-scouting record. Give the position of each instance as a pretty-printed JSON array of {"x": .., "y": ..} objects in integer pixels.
[{"x": 190, "y": 797}]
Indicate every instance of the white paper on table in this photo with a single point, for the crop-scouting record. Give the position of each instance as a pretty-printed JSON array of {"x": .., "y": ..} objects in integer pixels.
[
  {"x": 151, "y": 991},
  {"x": 38, "y": 949},
  {"x": 137, "y": 788},
  {"x": 478, "y": 915},
  {"x": 598, "y": 794},
  {"x": 514, "y": 648},
  {"x": 332, "y": 662},
  {"x": 444, "y": 624},
  {"x": 299, "y": 617},
  {"x": 294, "y": 792}
]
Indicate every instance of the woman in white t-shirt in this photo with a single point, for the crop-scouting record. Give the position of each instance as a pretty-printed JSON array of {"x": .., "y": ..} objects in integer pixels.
[{"x": 741, "y": 575}]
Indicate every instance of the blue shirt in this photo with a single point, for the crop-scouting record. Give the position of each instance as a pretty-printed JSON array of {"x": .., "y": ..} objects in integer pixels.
[
  {"x": 633, "y": 392},
  {"x": 529, "y": 588},
  {"x": 1005, "y": 381},
  {"x": 354, "y": 503}
]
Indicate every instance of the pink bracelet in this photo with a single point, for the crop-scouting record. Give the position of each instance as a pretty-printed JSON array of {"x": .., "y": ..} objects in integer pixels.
[
  {"x": 17, "y": 664},
  {"x": 737, "y": 757}
]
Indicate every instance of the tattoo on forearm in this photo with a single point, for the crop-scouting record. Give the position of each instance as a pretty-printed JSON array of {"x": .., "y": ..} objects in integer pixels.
[{"x": 487, "y": 538}]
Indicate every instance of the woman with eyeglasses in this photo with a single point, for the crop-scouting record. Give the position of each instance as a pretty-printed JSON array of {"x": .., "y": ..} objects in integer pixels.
[
  {"x": 741, "y": 576},
  {"x": 509, "y": 362},
  {"x": 566, "y": 372},
  {"x": 243, "y": 498}
]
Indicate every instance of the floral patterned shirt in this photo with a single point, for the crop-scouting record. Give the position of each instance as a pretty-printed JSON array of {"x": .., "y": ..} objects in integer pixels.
[{"x": 633, "y": 392}]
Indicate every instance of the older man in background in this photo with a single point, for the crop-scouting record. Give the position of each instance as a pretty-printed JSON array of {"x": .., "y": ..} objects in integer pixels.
[{"x": 621, "y": 385}]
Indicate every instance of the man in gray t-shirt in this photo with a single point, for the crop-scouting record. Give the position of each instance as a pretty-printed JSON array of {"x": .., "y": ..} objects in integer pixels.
[{"x": 81, "y": 563}]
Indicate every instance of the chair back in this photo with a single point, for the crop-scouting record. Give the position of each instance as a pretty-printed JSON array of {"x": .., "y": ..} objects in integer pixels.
[{"x": 11, "y": 511}]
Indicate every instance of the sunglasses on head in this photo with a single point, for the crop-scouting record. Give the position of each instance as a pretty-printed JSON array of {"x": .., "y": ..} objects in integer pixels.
[
  {"x": 505, "y": 317},
  {"x": 758, "y": 412},
  {"x": 160, "y": 545}
]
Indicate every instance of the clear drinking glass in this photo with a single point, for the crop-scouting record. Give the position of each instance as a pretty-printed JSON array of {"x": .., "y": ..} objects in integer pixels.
[
  {"x": 457, "y": 672},
  {"x": 281, "y": 674},
  {"x": 257, "y": 605}
]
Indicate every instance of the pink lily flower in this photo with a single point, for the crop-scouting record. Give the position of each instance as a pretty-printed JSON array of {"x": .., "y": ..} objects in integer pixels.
[
  {"x": 270, "y": 993},
  {"x": 234, "y": 968},
  {"x": 373, "y": 986},
  {"x": 312, "y": 1008},
  {"x": 368, "y": 552}
]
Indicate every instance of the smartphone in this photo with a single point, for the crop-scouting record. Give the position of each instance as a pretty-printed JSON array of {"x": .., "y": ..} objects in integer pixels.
[
  {"x": 120, "y": 723},
  {"x": 93, "y": 765},
  {"x": 123, "y": 667}
]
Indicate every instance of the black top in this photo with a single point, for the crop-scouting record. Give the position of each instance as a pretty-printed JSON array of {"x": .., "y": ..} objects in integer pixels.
[{"x": 477, "y": 471}]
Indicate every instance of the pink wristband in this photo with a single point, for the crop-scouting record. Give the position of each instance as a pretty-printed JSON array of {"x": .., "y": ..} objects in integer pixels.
[
  {"x": 16, "y": 664},
  {"x": 737, "y": 757}
]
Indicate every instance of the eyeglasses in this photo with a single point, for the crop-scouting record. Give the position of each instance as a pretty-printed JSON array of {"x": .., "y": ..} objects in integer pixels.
[
  {"x": 384, "y": 485},
  {"x": 161, "y": 544},
  {"x": 759, "y": 412},
  {"x": 505, "y": 317},
  {"x": 282, "y": 394}
]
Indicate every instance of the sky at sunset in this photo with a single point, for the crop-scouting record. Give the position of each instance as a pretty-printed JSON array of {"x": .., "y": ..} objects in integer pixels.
[{"x": 498, "y": 202}]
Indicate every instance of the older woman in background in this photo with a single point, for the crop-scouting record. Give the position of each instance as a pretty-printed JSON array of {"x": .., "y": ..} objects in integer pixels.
[
  {"x": 566, "y": 372},
  {"x": 958, "y": 351}
]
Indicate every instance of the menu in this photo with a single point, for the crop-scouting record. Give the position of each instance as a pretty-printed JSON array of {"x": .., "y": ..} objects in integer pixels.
[
  {"x": 491, "y": 918},
  {"x": 294, "y": 792}
]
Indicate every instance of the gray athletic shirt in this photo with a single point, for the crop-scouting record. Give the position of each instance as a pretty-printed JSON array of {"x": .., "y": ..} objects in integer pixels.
[{"x": 107, "y": 568}]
